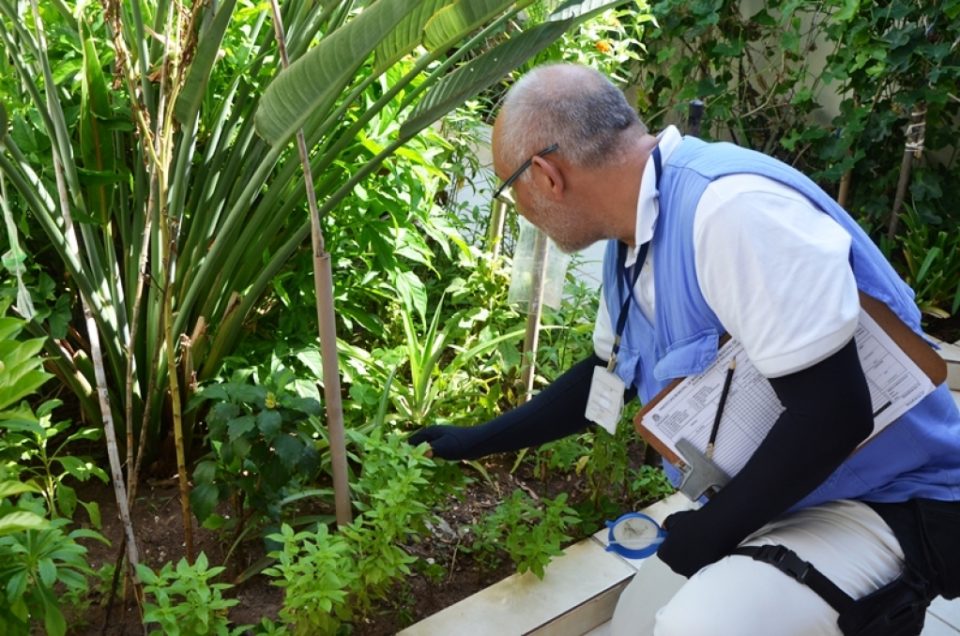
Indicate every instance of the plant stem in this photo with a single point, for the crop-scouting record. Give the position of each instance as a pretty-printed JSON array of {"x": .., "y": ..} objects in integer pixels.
[{"x": 323, "y": 286}]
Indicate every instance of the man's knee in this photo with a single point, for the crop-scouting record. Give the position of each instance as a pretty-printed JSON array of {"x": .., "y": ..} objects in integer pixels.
[{"x": 739, "y": 597}]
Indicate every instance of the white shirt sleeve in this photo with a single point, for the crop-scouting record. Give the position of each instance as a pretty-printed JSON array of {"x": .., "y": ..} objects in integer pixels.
[
  {"x": 603, "y": 331},
  {"x": 776, "y": 272}
]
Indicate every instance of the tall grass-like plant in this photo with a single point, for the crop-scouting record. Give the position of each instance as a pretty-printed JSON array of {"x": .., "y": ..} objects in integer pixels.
[{"x": 171, "y": 229}]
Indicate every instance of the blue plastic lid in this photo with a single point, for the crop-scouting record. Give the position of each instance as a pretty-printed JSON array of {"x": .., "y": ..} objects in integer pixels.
[{"x": 634, "y": 535}]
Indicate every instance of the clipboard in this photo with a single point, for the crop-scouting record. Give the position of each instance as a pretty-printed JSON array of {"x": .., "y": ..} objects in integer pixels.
[{"x": 918, "y": 350}]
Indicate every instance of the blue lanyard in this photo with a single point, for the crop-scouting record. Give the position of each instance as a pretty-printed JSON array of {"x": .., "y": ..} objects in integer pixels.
[{"x": 630, "y": 277}]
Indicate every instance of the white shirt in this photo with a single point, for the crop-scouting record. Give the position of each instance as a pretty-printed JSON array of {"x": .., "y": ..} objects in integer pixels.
[{"x": 772, "y": 267}]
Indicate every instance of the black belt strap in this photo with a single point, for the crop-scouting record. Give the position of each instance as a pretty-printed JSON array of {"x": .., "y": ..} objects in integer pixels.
[{"x": 788, "y": 562}]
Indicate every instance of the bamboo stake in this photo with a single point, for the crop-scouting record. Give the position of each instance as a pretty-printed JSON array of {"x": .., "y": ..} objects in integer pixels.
[
  {"x": 169, "y": 229},
  {"x": 323, "y": 286}
]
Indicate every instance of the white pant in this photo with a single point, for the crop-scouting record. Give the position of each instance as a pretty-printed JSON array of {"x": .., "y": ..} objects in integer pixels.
[{"x": 737, "y": 596}]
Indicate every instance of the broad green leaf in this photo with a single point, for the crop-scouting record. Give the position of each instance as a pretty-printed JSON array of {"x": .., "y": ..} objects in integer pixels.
[
  {"x": 198, "y": 74},
  {"x": 93, "y": 511},
  {"x": 413, "y": 293},
  {"x": 3, "y": 121},
  {"x": 315, "y": 80},
  {"x": 89, "y": 433},
  {"x": 307, "y": 405},
  {"x": 10, "y": 327},
  {"x": 847, "y": 11},
  {"x": 73, "y": 466},
  {"x": 288, "y": 450},
  {"x": 146, "y": 575},
  {"x": 452, "y": 23},
  {"x": 214, "y": 522},
  {"x": 66, "y": 500},
  {"x": 247, "y": 393},
  {"x": 10, "y": 488},
  {"x": 203, "y": 499},
  {"x": 53, "y": 620},
  {"x": 21, "y": 520},
  {"x": 406, "y": 36},
  {"x": 25, "y": 352},
  {"x": 205, "y": 472},
  {"x": 584, "y": 9},
  {"x": 23, "y": 386},
  {"x": 48, "y": 571},
  {"x": 471, "y": 78},
  {"x": 269, "y": 422},
  {"x": 241, "y": 425},
  {"x": 312, "y": 360}
]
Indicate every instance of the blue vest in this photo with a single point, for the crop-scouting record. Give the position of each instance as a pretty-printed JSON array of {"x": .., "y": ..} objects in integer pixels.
[{"x": 918, "y": 456}]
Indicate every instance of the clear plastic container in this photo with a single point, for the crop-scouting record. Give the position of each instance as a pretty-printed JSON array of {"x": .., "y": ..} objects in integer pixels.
[{"x": 535, "y": 253}]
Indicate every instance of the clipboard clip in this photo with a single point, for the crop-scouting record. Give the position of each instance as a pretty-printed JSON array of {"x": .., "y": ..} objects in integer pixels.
[{"x": 700, "y": 475}]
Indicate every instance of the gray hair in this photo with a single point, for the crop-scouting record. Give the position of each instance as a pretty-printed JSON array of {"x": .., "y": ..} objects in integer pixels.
[{"x": 573, "y": 106}]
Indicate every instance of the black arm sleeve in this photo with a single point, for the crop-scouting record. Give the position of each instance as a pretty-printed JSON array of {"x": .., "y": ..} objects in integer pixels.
[
  {"x": 828, "y": 413},
  {"x": 555, "y": 412}
]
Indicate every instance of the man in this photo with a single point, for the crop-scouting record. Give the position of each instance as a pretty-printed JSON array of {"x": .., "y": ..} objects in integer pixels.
[{"x": 711, "y": 238}]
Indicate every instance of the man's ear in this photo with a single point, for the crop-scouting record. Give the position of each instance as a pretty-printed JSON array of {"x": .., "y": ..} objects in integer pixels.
[{"x": 548, "y": 177}]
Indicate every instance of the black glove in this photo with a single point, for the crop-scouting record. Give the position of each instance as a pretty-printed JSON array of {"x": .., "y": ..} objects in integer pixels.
[
  {"x": 447, "y": 442},
  {"x": 688, "y": 546},
  {"x": 828, "y": 413},
  {"x": 555, "y": 412}
]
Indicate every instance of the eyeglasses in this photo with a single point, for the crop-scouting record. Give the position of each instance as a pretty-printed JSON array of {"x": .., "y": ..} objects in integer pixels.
[{"x": 499, "y": 195}]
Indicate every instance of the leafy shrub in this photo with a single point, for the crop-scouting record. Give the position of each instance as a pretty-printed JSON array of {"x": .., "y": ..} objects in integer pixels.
[
  {"x": 261, "y": 451},
  {"x": 530, "y": 534},
  {"x": 764, "y": 77},
  {"x": 35, "y": 566},
  {"x": 182, "y": 600},
  {"x": 39, "y": 560},
  {"x": 329, "y": 579},
  {"x": 931, "y": 257},
  {"x": 36, "y": 445},
  {"x": 649, "y": 484}
]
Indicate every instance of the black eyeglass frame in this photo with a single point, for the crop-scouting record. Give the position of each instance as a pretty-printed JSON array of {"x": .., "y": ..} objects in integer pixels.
[{"x": 519, "y": 171}]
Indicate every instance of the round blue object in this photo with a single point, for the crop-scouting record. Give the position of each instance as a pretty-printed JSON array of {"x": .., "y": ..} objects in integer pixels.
[{"x": 634, "y": 535}]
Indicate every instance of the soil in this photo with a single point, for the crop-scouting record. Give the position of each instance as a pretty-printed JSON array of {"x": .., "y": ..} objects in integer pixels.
[{"x": 455, "y": 574}]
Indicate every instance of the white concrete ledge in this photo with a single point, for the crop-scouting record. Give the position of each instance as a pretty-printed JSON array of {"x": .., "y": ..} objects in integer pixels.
[{"x": 578, "y": 592}]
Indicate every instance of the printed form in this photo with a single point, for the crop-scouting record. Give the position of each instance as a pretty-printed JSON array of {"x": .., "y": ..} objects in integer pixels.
[{"x": 896, "y": 385}]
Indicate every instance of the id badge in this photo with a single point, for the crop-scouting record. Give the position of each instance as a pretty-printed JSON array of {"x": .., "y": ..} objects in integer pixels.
[{"x": 605, "y": 403}]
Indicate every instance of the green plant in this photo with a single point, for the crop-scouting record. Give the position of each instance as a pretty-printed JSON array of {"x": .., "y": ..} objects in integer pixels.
[
  {"x": 81, "y": 601},
  {"x": 315, "y": 570},
  {"x": 648, "y": 484},
  {"x": 530, "y": 534},
  {"x": 330, "y": 579},
  {"x": 436, "y": 362},
  {"x": 932, "y": 264},
  {"x": 37, "y": 444},
  {"x": 261, "y": 451},
  {"x": 35, "y": 567},
  {"x": 609, "y": 42},
  {"x": 183, "y": 600},
  {"x": 828, "y": 86},
  {"x": 21, "y": 367},
  {"x": 14, "y": 518}
]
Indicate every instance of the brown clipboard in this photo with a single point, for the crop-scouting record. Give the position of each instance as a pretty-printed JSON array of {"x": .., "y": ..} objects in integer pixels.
[{"x": 918, "y": 349}]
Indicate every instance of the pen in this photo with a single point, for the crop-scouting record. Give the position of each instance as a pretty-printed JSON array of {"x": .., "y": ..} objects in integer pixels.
[{"x": 723, "y": 401}]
